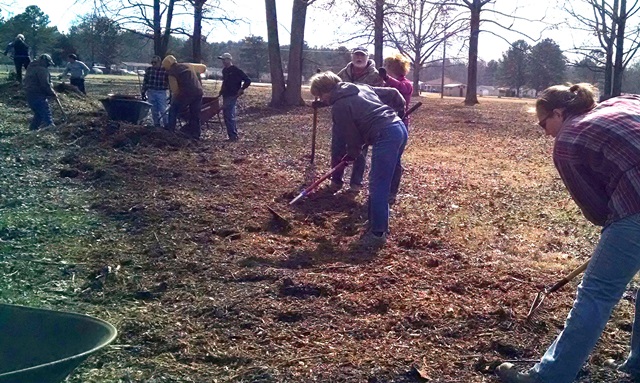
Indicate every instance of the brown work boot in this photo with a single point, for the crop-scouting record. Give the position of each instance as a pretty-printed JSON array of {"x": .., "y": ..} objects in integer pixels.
[{"x": 508, "y": 374}]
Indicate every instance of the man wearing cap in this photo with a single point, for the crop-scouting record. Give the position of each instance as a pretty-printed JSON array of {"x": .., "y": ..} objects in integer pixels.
[
  {"x": 77, "y": 70},
  {"x": 154, "y": 87},
  {"x": 37, "y": 87},
  {"x": 234, "y": 82},
  {"x": 361, "y": 70},
  {"x": 186, "y": 92},
  {"x": 20, "y": 55}
]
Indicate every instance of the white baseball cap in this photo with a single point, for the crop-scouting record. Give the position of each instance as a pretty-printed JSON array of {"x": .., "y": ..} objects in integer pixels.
[{"x": 225, "y": 56}]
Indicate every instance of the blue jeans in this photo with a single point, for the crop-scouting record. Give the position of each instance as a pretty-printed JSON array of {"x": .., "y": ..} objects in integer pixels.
[
  {"x": 614, "y": 263},
  {"x": 338, "y": 150},
  {"x": 192, "y": 107},
  {"x": 386, "y": 154},
  {"x": 229, "y": 114},
  {"x": 41, "y": 111},
  {"x": 158, "y": 100},
  {"x": 79, "y": 83}
]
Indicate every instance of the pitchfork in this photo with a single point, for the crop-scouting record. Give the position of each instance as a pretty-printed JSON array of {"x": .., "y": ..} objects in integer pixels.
[{"x": 542, "y": 295}]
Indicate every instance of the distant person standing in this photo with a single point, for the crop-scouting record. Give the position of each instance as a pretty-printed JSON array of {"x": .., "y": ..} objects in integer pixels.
[
  {"x": 361, "y": 70},
  {"x": 37, "y": 86},
  {"x": 77, "y": 71},
  {"x": 154, "y": 87},
  {"x": 20, "y": 55},
  {"x": 234, "y": 82}
]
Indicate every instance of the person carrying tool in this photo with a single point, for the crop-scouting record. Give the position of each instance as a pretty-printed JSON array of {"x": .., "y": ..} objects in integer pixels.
[
  {"x": 234, "y": 83},
  {"x": 361, "y": 70},
  {"x": 393, "y": 74},
  {"x": 37, "y": 87},
  {"x": 363, "y": 118},
  {"x": 77, "y": 70},
  {"x": 154, "y": 88},
  {"x": 20, "y": 55},
  {"x": 597, "y": 153},
  {"x": 186, "y": 92}
]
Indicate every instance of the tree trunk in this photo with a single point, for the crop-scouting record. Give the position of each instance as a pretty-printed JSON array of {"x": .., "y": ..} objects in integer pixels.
[
  {"x": 293, "y": 92},
  {"x": 275, "y": 60},
  {"x": 378, "y": 32},
  {"x": 618, "y": 67},
  {"x": 472, "y": 77},
  {"x": 164, "y": 45},
  {"x": 197, "y": 30},
  {"x": 610, "y": 39},
  {"x": 416, "y": 75},
  {"x": 157, "y": 29}
]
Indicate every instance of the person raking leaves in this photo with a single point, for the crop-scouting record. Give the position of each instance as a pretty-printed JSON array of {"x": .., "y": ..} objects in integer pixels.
[
  {"x": 597, "y": 153},
  {"x": 363, "y": 118}
]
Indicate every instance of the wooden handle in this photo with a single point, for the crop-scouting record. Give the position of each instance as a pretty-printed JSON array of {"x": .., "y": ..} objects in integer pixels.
[{"x": 569, "y": 277}]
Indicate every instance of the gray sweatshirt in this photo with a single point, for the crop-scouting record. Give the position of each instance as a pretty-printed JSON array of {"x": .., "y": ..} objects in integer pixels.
[
  {"x": 77, "y": 69},
  {"x": 361, "y": 112},
  {"x": 370, "y": 76}
]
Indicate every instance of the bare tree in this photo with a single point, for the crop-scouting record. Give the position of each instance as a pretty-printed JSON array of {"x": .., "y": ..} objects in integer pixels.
[
  {"x": 275, "y": 58},
  {"x": 417, "y": 28},
  {"x": 205, "y": 11},
  {"x": 608, "y": 22},
  {"x": 144, "y": 18},
  {"x": 292, "y": 93}
]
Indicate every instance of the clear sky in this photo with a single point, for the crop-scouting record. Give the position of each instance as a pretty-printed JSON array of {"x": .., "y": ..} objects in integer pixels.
[{"x": 329, "y": 29}]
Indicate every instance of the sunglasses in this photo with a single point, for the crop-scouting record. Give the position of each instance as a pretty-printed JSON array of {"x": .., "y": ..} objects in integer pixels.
[{"x": 543, "y": 122}]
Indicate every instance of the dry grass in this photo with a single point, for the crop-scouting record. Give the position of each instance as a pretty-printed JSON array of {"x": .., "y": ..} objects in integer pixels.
[{"x": 209, "y": 290}]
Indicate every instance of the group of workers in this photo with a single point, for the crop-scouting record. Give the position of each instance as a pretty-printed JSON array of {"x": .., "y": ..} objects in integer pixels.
[
  {"x": 596, "y": 152},
  {"x": 182, "y": 79}
]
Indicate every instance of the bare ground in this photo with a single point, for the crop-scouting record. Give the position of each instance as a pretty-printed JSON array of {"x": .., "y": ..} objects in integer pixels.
[{"x": 204, "y": 286}]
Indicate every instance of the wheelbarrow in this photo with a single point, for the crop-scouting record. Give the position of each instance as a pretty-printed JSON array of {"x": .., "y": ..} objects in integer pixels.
[{"x": 44, "y": 346}]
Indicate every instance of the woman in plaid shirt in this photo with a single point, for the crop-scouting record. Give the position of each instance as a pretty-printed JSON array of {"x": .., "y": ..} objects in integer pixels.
[
  {"x": 597, "y": 153},
  {"x": 154, "y": 87}
]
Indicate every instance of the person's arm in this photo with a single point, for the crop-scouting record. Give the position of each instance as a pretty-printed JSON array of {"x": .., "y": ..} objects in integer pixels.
[
  {"x": 342, "y": 119},
  {"x": 404, "y": 87},
  {"x": 9, "y": 46},
  {"x": 44, "y": 82},
  {"x": 246, "y": 81},
  {"x": 585, "y": 188},
  {"x": 145, "y": 81},
  {"x": 85, "y": 69}
]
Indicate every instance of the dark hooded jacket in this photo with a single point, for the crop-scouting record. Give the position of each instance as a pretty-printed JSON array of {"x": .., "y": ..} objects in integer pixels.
[
  {"x": 37, "y": 81},
  {"x": 361, "y": 112},
  {"x": 189, "y": 84}
]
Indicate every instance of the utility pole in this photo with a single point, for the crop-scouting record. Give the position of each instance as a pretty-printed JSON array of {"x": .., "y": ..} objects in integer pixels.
[{"x": 444, "y": 55}]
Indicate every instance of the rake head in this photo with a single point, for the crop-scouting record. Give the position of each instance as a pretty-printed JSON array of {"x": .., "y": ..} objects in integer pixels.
[{"x": 536, "y": 304}]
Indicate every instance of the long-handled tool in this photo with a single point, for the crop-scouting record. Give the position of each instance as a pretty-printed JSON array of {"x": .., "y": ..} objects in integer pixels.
[
  {"x": 413, "y": 108},
  {"x": 314, "y": 185},
  {"x": 64, "y": 115},
  {"x": 313, "y": 133},
  {"x": 542, "y": 295}
]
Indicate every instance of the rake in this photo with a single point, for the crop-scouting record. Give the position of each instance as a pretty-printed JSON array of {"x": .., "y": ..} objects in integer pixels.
[{"x": 542, "y": 295}]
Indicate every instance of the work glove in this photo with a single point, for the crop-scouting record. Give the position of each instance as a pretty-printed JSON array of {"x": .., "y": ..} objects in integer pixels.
[
  {"x": 383, "y": 73},
  {"x": 318, "y": 104}
]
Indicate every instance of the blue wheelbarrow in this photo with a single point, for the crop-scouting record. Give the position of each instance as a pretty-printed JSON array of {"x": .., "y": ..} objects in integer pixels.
[{"x": 44, "y": 346}]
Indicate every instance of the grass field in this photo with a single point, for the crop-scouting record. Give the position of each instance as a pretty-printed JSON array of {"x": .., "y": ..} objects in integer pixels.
[{"x": 170, "y": 240}]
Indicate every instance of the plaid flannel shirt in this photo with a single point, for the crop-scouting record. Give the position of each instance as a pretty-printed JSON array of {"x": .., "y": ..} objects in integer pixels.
[
  {"x": 155, "y": 79},
  {"x": 598, "y": 157}
]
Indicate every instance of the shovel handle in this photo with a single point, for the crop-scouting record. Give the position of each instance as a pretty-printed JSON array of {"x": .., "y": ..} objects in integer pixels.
[
  {"x": 328, "y": 174},
  {"x": 569, "y": 277},
  {"x": 413, "y": 108}
]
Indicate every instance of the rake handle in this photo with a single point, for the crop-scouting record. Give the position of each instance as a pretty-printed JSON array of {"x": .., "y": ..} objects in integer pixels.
[{"x": 569, "y": 277}]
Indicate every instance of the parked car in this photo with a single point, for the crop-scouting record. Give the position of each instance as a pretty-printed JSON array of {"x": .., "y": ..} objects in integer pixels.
[{"x": 97, "y": 70}]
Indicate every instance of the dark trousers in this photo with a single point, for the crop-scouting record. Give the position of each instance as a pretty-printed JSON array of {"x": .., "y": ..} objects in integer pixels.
[
  {"x": 192, "y": 108},
  {"x": 78, "y": 83},
  {"x": 41, "y": 111},
  {"x": 20, "y": 62}
]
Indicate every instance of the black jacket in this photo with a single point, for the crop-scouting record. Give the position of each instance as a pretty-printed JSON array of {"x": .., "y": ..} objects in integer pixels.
[
  {"x": 20, "y": 48},
  {"x": 232, "y": 80}
]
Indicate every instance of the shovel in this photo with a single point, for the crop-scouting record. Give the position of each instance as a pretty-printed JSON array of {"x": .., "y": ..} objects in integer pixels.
[
  {"x": 542, "y": 295},
  {"x": 314, "y": 185}
]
